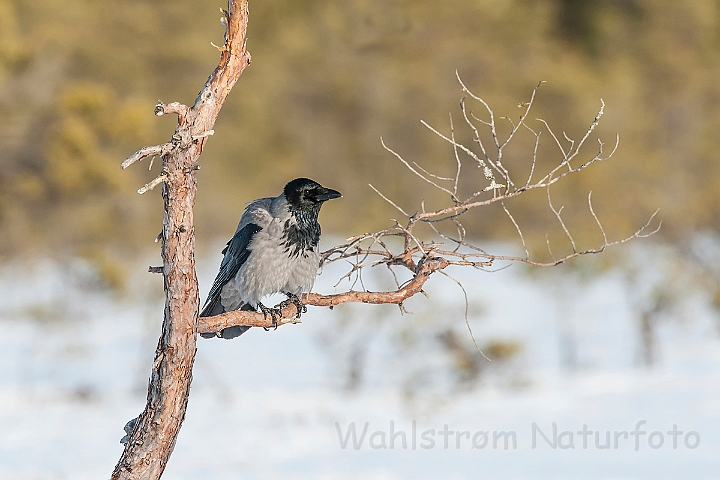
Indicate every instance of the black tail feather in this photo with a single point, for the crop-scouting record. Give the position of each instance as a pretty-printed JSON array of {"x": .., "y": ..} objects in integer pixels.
[{"x": 214, "y": 307}]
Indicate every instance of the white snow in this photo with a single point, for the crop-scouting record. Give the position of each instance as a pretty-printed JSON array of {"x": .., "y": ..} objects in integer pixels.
[{"x": 74, "y": 363}]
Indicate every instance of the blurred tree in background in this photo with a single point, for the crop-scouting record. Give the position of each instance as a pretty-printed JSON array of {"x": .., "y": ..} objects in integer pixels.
[{"x": 79, "y": 79}]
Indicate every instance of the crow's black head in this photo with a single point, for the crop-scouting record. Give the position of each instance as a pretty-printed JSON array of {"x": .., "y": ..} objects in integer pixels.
[
  {"x": 306, "y": 194},
  {"x": 305, "y": 197}
]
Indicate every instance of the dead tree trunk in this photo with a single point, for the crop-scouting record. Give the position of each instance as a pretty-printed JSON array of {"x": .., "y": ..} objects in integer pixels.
[{"x": 152, "y": 439}]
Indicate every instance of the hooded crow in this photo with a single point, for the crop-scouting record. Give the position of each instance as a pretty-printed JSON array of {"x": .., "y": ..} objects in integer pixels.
[{"x": 274, "y": 250}]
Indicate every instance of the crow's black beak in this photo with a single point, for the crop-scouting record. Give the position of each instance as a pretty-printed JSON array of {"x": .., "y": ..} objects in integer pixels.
[{"x": 328, "y": 195}]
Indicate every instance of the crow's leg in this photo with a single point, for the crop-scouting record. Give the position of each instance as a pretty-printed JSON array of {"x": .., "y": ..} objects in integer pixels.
[
  {"x": 293, "y": 300},
  {"x": 274, "y": 313}
]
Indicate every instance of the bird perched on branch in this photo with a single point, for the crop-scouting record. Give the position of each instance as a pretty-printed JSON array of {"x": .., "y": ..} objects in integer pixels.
[{"x": 274, "y": 250}]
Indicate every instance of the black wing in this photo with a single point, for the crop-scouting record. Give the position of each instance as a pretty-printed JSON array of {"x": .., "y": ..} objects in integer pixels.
[{"x": 236, "y": 253}]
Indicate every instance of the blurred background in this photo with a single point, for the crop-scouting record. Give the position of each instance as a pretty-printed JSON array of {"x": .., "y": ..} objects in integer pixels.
[{"x": 628, "y": 335}]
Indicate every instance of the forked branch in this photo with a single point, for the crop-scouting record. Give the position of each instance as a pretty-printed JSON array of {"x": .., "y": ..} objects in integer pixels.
[{"x": 442, "y": 248}]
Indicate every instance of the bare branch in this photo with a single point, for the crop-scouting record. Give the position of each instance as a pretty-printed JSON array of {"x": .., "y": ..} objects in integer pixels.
[
  {"x": 147, "y": 152},
  {"x": 459, "y": 251},
  {"x": 517, "y": 227},
  {"x": 457, "y": 158},
  {"x": 203, "y": 135},
  {"x": 552, "y": 255},
  {"x": 153, "y": 183},
  {"x": 534, "y": 155},
  {"x": 562, "y": 222},
  {"x": 438, "y": 177},
  {"x": 388, "y": 200},
  {"x": 177, "y": 108},
  {"x": 467, "y": 311},
  {"x": 256, "y": 319},
  {"x": 597, "y": 220},
  {"x": 415, "y": 171}
]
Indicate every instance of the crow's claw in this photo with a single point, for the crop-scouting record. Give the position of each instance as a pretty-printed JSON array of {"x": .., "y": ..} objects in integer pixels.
[
  {"x": 293, "y": 300},
  {"x": 274, "y": 313}
]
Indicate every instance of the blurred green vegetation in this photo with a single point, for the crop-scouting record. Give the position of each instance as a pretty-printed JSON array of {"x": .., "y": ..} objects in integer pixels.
[{"x": 79, "y": 79}]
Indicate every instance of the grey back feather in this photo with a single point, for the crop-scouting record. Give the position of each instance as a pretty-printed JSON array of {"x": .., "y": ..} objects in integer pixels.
[{"x": 255, "y": 217}]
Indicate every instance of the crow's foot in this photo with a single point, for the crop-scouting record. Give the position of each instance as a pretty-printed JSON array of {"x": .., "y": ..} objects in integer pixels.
[
  {"x": 274, "y": 313},
  {"x": 293, "y": 300}
]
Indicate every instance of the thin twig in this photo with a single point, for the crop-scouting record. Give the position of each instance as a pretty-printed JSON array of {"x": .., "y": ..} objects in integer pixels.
[
  {"x": 562, "y": 222},
  {"x": 153, "y": 183},
  {"x": 147, "y": 152}
]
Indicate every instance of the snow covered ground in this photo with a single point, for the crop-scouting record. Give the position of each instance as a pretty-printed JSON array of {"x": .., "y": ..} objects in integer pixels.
[{"x": 74, "y": 363}]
